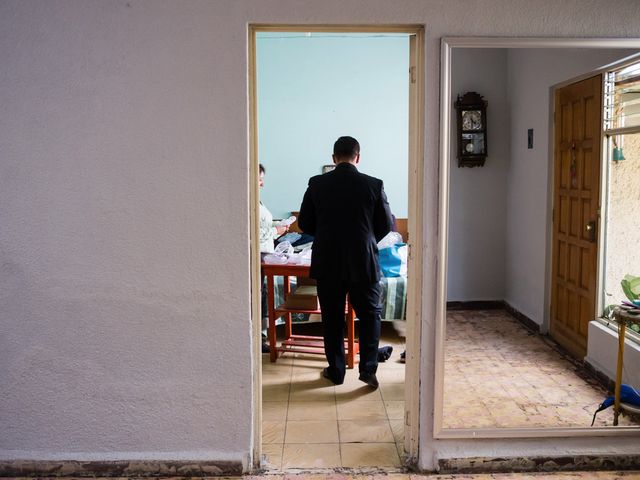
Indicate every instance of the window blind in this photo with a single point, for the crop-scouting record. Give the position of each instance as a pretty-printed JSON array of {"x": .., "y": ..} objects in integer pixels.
[{"x": 622, "y": 98}]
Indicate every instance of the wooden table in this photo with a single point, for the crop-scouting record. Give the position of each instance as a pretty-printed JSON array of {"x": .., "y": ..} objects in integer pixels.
[
  {"x": 299, "y": 343},
  {"x": 623, "y": 317}
]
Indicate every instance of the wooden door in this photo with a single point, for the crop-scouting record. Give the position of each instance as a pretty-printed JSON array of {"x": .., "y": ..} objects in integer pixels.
[{"x": 576, "y": 199}]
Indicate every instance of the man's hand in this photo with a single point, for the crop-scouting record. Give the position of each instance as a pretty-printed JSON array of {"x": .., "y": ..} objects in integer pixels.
[{"x": 282, "y": 230}]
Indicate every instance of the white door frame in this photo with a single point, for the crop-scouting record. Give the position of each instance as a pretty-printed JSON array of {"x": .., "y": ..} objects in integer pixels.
[
  {"x": 416, "y": 77},
  {"x": 447, "y": 45}
]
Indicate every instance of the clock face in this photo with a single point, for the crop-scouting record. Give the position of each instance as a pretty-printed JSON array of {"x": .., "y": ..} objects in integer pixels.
[{"x": 471, "y": 120}]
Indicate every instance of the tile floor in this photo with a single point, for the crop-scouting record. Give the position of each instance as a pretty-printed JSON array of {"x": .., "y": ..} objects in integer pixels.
[
  {"x": 310, "y": 423},
  {"x": 498, "y": 374},
  {"x": 484, "y": 476}
]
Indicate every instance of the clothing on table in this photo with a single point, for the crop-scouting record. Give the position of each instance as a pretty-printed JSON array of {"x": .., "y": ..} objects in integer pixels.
[{"x": 347, "y": 213}]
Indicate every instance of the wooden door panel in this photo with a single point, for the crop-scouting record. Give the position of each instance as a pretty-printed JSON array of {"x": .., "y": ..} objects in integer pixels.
[{"x": 576, "y": 204}]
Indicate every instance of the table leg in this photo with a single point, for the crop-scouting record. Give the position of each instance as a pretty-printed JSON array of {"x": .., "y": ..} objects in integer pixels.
[
  {"x": 616, "y": 406},
  {"x": 351, "y": 351},
  {"x": 273, "y": 353},
  {"x": 287, "y": 318}
]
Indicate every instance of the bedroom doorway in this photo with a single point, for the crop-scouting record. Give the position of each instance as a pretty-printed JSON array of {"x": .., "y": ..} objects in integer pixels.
[{"x": 290, "y": 397}]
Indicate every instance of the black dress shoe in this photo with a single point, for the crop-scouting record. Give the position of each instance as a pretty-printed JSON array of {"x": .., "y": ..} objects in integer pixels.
[
  {"x": 265, "y": 348},
  {"x": 326, "y": 374},
  {"x": 369, "y": 378}
]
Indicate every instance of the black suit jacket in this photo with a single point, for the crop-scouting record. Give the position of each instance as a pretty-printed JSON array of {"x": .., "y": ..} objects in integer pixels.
[{"x": 347, "y": 212}]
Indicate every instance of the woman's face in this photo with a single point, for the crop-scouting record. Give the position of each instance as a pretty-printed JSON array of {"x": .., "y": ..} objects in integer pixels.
[{"x": 261, "y": 179}]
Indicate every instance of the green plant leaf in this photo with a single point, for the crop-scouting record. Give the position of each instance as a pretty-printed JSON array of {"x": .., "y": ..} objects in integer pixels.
[{"x": 631, "y": 287}]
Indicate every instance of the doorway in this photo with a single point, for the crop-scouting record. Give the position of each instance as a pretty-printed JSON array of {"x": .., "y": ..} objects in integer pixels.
[{"x": 413, "y": 183}]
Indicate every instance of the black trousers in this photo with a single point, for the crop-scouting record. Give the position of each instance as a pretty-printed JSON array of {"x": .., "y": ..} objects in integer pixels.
[{"x": 365, "y": 299}]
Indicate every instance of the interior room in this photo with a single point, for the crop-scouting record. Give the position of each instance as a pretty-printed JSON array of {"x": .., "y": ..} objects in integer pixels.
[
  {"x": 509, "y": 361},
  {"x": 313, "y": 87}
]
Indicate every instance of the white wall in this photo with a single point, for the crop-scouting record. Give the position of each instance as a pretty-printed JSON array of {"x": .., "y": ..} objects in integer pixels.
[
  {"x": 314, "y": 89},
  {"x": 622, "y": 257},
  {"x": 124, "y": 217},
  {"x": 477, "y": 196},
  {"x": 532, "y": 72}
]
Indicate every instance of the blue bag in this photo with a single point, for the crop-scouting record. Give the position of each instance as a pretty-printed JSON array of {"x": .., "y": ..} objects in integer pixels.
[{"x": 391, "y": 260}]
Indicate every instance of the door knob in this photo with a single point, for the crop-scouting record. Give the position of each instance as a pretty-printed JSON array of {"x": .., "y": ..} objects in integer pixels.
[{"x": 590, "y": 228}]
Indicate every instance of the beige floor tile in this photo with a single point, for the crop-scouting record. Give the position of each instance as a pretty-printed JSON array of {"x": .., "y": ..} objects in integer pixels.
[
  {"x": 390, "y": 375},
  {"x": 369, "y": 431},
  {"x": 272, "y": 432},
  {"x": 357, "y": 393},
  {"x": 397, "y": 427},
  {"x": 392, "y": 391},
  {"x": 318, "y": 390},
  {"x": 311, "y": 431},
  {"x": 395, "y": 409},
  {"x": 275, "y": 393},
  {"x": 369, "y": 455},
  {"x": 272, "y": 456},
  {"x": 312, "y": 410},
  {"x": 311, "y": 456},
  {"x": 274, "y": 411},
  {"x": 361, "y": 410}
]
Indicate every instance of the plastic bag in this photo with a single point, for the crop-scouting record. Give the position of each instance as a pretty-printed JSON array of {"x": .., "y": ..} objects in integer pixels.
[
  {"x": 392, "y": 238},
  {"x": 280, "y": 255},
  {"x": 301, "y": 258},
  {"x": 393, "y": 260}
]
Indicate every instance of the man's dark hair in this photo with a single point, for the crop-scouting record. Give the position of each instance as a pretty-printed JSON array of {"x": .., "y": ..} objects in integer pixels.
[
  {"x": 262, "y": 170},
  {"x": 346, "y": 148}
]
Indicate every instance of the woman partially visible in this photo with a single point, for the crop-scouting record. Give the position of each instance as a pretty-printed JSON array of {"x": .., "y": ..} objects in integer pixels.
[
  {"x": 268, "y": 234},
  {"x": 268, "y": 229}
]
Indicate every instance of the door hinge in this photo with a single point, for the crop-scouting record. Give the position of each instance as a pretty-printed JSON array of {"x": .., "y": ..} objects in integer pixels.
[
  {"x": 412, "y": 74},
  {"x": 407, "y": 418}
]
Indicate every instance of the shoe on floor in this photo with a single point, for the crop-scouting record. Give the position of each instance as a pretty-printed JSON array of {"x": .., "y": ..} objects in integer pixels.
[
  {"x": 326, "y": 374},
  {"x": 265, "y": 348},
  {"x": 369, "y": 378},
  {"x": 384, "y": 353}
]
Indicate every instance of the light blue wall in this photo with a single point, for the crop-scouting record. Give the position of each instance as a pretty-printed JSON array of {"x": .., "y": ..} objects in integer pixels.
[{"x": 313, "y": 89}]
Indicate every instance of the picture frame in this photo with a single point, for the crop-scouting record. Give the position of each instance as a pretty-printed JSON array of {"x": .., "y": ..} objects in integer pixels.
[{"x": 328, "y": 168}]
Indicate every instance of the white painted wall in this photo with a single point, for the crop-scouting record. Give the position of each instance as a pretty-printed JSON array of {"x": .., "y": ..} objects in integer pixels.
[
  {"x": 124, "y": 217},
  {"x": 602, "y": 353},
  {"x": 477, "y": 196},
  {"x": 532, "y": 72}
]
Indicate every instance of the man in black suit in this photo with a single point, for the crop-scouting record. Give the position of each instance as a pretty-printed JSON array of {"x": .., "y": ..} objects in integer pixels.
[{"x": 348, "y": 214}]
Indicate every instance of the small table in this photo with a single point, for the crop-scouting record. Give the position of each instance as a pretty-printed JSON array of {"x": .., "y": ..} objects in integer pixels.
[
  {"x": 623, "y": 317},
  {"x": 299, "y": 343}
]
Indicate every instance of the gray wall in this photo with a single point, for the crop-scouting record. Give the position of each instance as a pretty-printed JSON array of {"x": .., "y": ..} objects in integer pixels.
[
  {"x": 124, "y": 214},
  {"x": 477, "y": 196},
  {"x": 532, "y": 73}
]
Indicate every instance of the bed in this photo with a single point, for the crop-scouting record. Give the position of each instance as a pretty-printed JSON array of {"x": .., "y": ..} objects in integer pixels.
[{"x": 394, "y": 289}]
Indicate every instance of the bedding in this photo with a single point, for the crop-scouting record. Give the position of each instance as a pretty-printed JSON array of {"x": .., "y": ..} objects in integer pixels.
[{"x": 394, "y": 299}]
